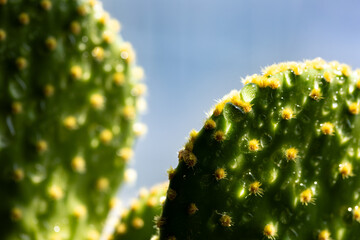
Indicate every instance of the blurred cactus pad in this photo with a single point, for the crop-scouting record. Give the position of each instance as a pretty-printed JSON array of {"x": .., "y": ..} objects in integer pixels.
[
  {"x": 279, "y": 159},
  {"x": 70, "y": 94},
  {"x": 138, "y": 222}
]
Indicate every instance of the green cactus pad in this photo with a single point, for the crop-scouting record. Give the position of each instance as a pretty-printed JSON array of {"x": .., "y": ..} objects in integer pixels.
[
  {"x": 70, "y": 93},
  {"x": 139, "y": 221},
  {"x": 279, "y": 159}
]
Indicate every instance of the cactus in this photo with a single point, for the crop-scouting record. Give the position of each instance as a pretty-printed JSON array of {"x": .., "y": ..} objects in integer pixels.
[
  {"x": 278, "y": 159},
  {"x": 70, "y": 93},
  {"x": 137, "y": 222}
]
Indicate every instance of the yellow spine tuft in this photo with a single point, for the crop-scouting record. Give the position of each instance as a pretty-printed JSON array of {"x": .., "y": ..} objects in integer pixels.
[
  {"x": 270, "y": 231},
  {"x": 324, "y": 235},
  {"x": 255, "y": 189},
  {"x": 24, "y": 18},
  {"x": 254, "y": 145},
  {"x": 219, "y": 174},
  {"x": 306, "y": 197},
  {"x": 346, "y": 170},
  {"x": 225, "y": 221},
  {"x": 46, "y": 5},
  {"x": 291, "y": 154},
  {"x": 354, "y": 108},
  {"x": 327, "y": 128}
]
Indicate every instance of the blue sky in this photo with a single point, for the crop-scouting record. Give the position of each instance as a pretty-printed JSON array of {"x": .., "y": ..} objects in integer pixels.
[{"x": 196, "y": 51}]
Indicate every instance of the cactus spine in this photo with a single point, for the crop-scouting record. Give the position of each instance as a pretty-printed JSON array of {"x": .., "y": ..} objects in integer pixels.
[
  {"x": 278, "y": 159},
  {"x": 70, "y": 93}
]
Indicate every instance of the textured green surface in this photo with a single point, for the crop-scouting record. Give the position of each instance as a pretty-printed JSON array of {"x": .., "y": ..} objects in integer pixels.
[
  {"x": 139, "y": 221},
  {"x": 278, "y": 160},
  {"x": 68, "y": 102}
]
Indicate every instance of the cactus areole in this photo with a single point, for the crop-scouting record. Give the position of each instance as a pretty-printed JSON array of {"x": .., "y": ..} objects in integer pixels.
[
  {"x": 70, "y": 93},
  {"x": 279, "y": 159}
]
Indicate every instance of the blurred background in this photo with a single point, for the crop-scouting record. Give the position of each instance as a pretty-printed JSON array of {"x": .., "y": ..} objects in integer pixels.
[{"x": 196, "y": 51}]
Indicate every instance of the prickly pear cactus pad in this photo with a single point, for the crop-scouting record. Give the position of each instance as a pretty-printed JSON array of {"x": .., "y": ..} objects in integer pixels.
[
  {"x": 138, "y": 222},
  {"x": 278, "y": 159},
  {"x": 70, "y": 93}
]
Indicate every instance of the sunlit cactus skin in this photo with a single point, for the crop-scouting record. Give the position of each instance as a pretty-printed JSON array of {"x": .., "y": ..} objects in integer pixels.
[
  {"x": 278, "y": 159},
  {"x": 139, "y": 221},
  {"x": 70, "y": 94}
]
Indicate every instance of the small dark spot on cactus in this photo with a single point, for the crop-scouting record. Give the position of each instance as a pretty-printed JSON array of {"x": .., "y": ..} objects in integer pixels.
[
  {"x": 306, "y": 197},
  {"x": 210, "y": 124},
  {"x": 171, "y": 194},
  {"x": 192, "y": 209},
  {"x": 220, "y": 173},
  {"x": 219, "y": 136},
  {"x": 24, "y": 19},
  {"x": 137, "y": 223},
  {"x": 225, "y": 220},
  {"x": 270, "y": 231},
  {"x": 324, "y": 235},
  {"x": 327, "y": 128},
  {"x": 255, "y": 188}
]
